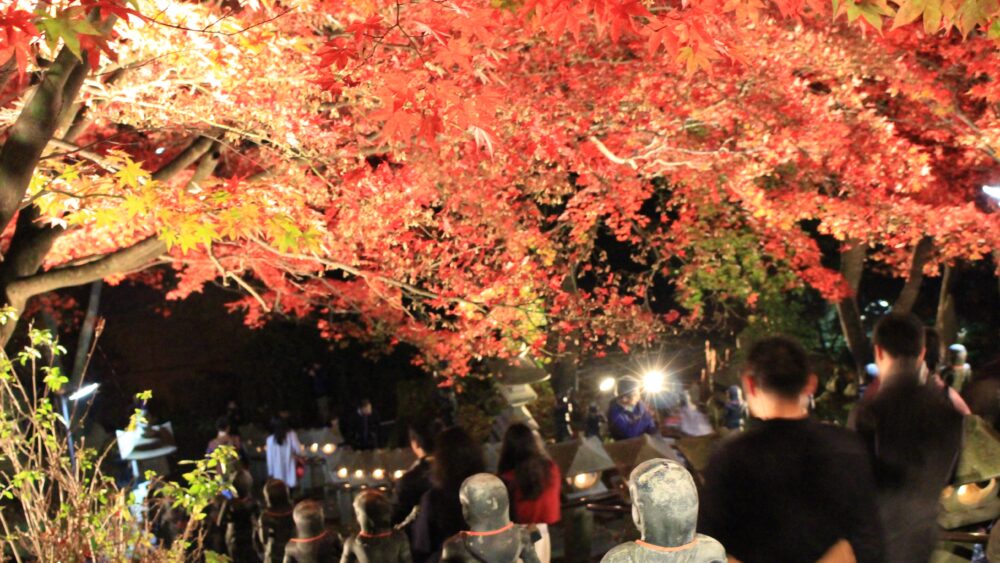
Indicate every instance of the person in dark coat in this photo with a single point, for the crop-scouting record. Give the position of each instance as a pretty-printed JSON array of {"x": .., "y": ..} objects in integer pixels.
[
  {"x": 456, "y": 457},
  {"x": 913, "y": 433},
  {"x": 417, "y": 479},
  {"x": 628, "y": 416},
  {"x": 363, "y": 429}
]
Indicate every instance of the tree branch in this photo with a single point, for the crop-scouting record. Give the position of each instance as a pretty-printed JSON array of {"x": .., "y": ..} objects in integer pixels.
[
  {"x": 122, "y": 260},
  {"x": 911, "y": 290},
  {"x": 30, "y": 134},
  {"x": 186, "y": 158}
]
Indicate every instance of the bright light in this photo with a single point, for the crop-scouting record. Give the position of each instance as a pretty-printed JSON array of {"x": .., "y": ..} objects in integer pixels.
[
  {"x": 607, "y": 384},
  {"x": 84, "y": 391},
  {"x": 359, "y": 474},
  {"x": 584, "y": 481},
  {"x": 992, "y": 191},
  {"x": 314, "y": 448},
  {"x": 329, "y": 448},
  {"x": 654, "y": 380},
  {"x": 972, "y": 494},
  {"x": 883, "y": 303},
  {"x": 398, "y": 474},
  {"x": 378, "y": 474},
  {"x": 342, "y": 473}
]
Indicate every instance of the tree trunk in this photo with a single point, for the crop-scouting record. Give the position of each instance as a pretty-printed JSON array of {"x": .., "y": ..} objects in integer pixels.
[
  {"x": 947, "y": 320},
  {"x": 911, "y": 290},
  {"x": 852, "y": 262}
]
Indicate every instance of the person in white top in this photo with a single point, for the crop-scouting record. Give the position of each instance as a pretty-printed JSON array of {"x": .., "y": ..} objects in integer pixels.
[{"x": 283, "y": 448}]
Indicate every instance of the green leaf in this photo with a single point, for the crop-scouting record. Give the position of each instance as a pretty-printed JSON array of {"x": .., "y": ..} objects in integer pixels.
[
  {"x": 910, "y": 10},
  {"x": 994, "y": 31},
  {"x": 974, "y": 12}
]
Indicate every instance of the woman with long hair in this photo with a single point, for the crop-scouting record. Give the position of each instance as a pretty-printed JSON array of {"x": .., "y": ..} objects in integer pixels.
[
  {"x": 456, "y": 457},
  {"x": 283, "y": 448},
  {"x": 534, "y": 482}
]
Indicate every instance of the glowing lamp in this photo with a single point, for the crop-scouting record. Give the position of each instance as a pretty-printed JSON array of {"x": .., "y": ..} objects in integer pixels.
[
  {"x": 314, "y": 448},
  {"x": 342, "y": 473},
  {"x": 328, "y": 449},
  {"x": 653, "y": 381},
  {"x": 398, "y": 474},
  {"x": 359, "y": 474},
  {"x": 584, "y": 481},
  {"x": 607, "y": 385},
  {"x": 378, "y": 474}
]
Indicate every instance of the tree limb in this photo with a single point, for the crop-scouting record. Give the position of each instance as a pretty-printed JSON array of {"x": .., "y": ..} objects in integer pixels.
[
  {"x": 125, "y": 259},
  {"x": 30, "y": 134},
  {"x": 911, "y": 290},
  {"x": 186, "y": 158}
]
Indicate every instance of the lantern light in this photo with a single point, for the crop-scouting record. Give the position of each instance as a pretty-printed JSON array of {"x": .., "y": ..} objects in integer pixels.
[
  {"x": 607, "y": 385},
  {"x": 583, "y": 481},
  {"x": 359, "y": 473},
  {"x": 314, "y": 448},
  {"x": 328, "y": 449},
  {"x": 398, "y": 474},
  {"x": 653, "y": 381},
  {"x": 342, "y": 473},
  {"x": 378, "y": 474}
]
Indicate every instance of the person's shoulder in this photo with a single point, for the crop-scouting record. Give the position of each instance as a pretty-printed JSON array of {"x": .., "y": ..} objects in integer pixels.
[{"x": 837, "y": 439}]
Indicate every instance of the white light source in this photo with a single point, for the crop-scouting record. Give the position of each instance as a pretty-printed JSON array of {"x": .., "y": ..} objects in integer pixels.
[
  {"x": 397, "y": 474},
  {"x": 378, "y": 474},
  {"x": 84, "y": 391},
  {"x": 359, "y": 473},
  {"x": 342, "y": 473},
  {"x": 607, "y": 384},
  {"x": 314, "y": 448},
  {"x": 883, "y": 303},
  {"x": 992, "y": 191},
  {"x": 584, "y": 481},
  {"x": 654, "y": 380},
  {"x": 329, "y": 448}
]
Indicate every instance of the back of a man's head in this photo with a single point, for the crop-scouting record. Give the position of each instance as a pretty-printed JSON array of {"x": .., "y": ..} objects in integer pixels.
[
  {"x": 901, "y": 335},
  {"x": 778, "y": 365}
]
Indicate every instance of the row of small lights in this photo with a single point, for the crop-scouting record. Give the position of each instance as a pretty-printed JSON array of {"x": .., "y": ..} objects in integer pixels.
[{"x": 653, "y": 381}]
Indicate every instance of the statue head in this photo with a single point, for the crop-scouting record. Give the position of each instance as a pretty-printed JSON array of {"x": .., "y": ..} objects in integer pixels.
[
  {"x": 373, "y": 511},
  {"x": 276, "y": 494},
  {"x": 957, "y": 355},
  {"x": 484, "y": 502},
  {"x": 664, "y": 502},
  {"x": 308, "y": 516}
]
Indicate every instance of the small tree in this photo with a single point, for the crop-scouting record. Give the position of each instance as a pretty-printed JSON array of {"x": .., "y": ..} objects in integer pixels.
[{"x": 59, "y": 508}]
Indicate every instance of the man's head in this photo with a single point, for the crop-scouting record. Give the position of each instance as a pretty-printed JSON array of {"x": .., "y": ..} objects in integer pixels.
[
  {"x": 222, "y": 425},
  {"x": 664, "y": 502},
  {"x": 776, "y": 373},
  {"x": 366, "y": 407},
  {"x": 485, "y": 505},
  {"x": 627, "y": 390},
  {"x": 899, "y": 344},
  {"x": 422, "y": 439}
]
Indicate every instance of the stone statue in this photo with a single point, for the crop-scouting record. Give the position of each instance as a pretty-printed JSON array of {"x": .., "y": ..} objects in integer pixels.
[
  {"x": 275, "y": 528},
  {"x": 314, "y": 543},
  {"x": 665, "y": 509},
  {"x": 377, "y": 542},
  {"x": 492, "y": 537}
]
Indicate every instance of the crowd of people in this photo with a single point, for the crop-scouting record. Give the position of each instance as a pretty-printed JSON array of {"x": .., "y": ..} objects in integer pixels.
[{"x": 787, "y": 488}]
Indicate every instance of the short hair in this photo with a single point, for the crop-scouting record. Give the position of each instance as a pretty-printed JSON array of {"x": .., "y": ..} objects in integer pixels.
[
  {"x": 901, "y": 335},
  {"x": 243, "y": 483},
  {"x": 222, "y": 424},
  {"x": 779, "y": 365},
  {"x": 365, "y": 403},
  {"x": 423, "y": 434}
]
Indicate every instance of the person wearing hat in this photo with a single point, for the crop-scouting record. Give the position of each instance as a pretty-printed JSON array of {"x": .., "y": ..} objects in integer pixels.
[{"x": 628, "y": 416}]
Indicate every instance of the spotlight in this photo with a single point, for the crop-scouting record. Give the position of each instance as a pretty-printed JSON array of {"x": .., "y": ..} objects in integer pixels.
[
  {"x": 607, "y": 385},
  {"x": 583, "y": 481},
  {"x": 654, "y": 380},
  {"x": 84, "y": 391},
  {"x": 342, "y": 473},
  {"x": 328, "y": 449}
]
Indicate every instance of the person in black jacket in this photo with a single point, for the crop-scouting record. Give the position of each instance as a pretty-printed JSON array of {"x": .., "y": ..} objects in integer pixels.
[
  {"x": 789, "y": 488},
  {"x": 417, "y": 479},
  {"x": 363, "y": 427},
  {"x": 913, "y": 433}
]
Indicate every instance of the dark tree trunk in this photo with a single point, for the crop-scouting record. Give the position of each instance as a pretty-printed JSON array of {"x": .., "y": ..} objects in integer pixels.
[
  {"x": 852, "y": 262},
  {"x": 911, "y": 290},
  {"x": 947, "y": 320}
]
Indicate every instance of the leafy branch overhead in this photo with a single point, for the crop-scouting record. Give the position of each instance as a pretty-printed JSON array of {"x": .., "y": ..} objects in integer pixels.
[{"x": 477, "y": 178}]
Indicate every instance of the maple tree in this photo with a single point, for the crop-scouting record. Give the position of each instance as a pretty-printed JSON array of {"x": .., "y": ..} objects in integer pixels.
[{"x": 480, "y": 178}]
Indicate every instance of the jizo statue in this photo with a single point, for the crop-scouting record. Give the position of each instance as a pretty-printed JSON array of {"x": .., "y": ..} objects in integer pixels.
[
  {"x": 377, "y": 542},
  {"x": 492, "y": 537},
  {"x": 665, "y": 509},
  {"x": 313, "y": 542}
]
